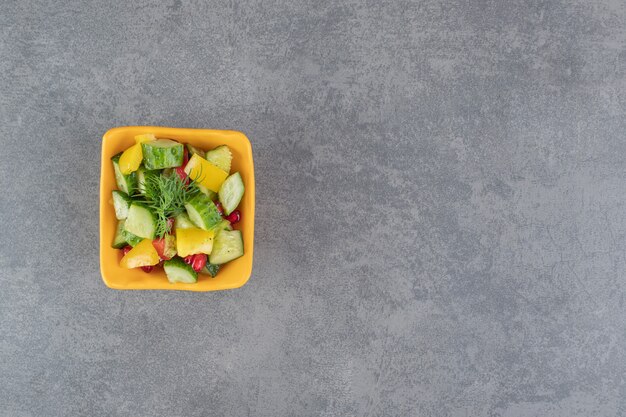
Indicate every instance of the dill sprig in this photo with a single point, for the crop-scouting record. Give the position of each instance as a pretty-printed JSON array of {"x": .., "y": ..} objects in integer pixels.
[{"x": 166, "y": 196}]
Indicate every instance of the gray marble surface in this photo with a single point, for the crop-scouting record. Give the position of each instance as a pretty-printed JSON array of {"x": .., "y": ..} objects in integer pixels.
[{"x": 441, "y": 194}]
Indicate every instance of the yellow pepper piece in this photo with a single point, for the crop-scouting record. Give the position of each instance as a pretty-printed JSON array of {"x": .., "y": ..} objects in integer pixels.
[
  {"x": 131, "y": 159},
  {"x": 143, "y": 254},
  {"x": 145, "y": 138},
  {"x": 193, "y": 241},
  {"x": 205, "y": 173}
]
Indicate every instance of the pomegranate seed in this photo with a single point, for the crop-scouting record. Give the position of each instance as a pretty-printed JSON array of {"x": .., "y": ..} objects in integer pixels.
[
  {"x": 126, "y": 249},
  {"x": 234, "y": 217},
  {"x": 219, "y": 207},
  {"x": 188, "y": 259},
  {"x": 199, "y": 261},
  {"x": 180, "y": 171},
  {"x": 147, "y": 268}
]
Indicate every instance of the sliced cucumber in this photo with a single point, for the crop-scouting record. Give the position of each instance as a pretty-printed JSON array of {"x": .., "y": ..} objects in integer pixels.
[
  {"x": 142, "y": 175},
  {"x": 121, "y": 203},
  {"x": 223, "y": 225},
  {"x": 228, "y": 245},
  {"x": 162, "y": 153},
  {"x": 221, "y": 157},
  {"x": 211, "y": 194},
  {"x": 141, "y": 221},
  {"x": 210, "y": 269},
  {"x": 178, "y": 271},
  {"x": 130, "y": 238},
  {"x": 203, "y": 212},
  {"x": 194, "y": 151},
  {"x": 126, "y": 183},
  {"x": 119, "y": 241},
  {"x": 182, "y": 221},
  {"x": 231, "y": 192}
]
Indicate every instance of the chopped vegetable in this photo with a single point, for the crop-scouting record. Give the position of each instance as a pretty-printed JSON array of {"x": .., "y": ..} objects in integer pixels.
[
  {"x": 210, "y": 269},
  {"x": 194, "y": 240},
  {"x": 162, "y": 153},
  {"x": 223, "y": 225},
  {"x": 205, "y": 173},
  {"x": 141, "y": 221},
  {"x": 130, "y": 238},
  {"x": 142, "y": 177},
  {"x": 145, "y": 138},
  {"x": 211, "y": 194},
  {"x": 165, "y": 246},
  {"x": 131, "y": 159},
  {"x": 177, "y": 270},
  {"x": 231, "y": 192},
  {"x": 126, "y": 183},
  {"x": 228, "y": 245},
  {"x": 119, "y": 241},
  {"x": 121, "y": 203},
  {"x": 221, "y": 157},
  {"x": 195, "y": 151},
  {"x": 202, "y": 212},
  {"x": 143, "y": 254},
  {"x": 182, "y": 221}
]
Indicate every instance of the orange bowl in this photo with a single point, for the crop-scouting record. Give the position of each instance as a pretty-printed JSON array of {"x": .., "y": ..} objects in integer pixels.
[{"x": 234, "y": 274}]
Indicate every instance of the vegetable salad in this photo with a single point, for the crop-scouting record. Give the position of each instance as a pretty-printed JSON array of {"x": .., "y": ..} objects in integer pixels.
[{"x": 176, "y": 207}]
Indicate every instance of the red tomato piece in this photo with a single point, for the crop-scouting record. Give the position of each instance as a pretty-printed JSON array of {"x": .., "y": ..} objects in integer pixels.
[{"x": 159, "y": 245}]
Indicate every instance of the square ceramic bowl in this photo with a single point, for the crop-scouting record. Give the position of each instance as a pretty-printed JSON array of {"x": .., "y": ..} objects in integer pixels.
[{"x": 234, "y": 274}]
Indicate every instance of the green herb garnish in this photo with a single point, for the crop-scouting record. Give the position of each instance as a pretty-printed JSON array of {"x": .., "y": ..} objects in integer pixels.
[{"x": 166, "y": 196}]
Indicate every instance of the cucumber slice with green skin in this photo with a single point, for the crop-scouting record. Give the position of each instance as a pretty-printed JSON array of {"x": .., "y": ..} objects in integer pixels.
[
  {"x": 121, "y": 203},
  {"x": 231, "y": 192},
  {"x": 142, "y": 175},
  {"x": 227, "y": 245},
  {"x": 223, "y": 225},
  {"x": 141, "y": 221},
  {"x": 130, "y": 238},
  {"x": 126, "y": 183},
  {"x": 178, "y": 271},
  {"x": 203, "y": 212},
  {"x": 211, "y": 194},
  {"x": 193, "y": 150},
  {"x": 162, "y": 153},
  {"x": 182, "y": 221},
  {"x": 210, "y": 269},
  {"x": 119, "y": 241},
  {"x": 221, "y": 157}
]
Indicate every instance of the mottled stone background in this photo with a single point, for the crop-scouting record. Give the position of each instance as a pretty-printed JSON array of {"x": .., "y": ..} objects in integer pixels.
[{"x": 441, "y": 195}]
